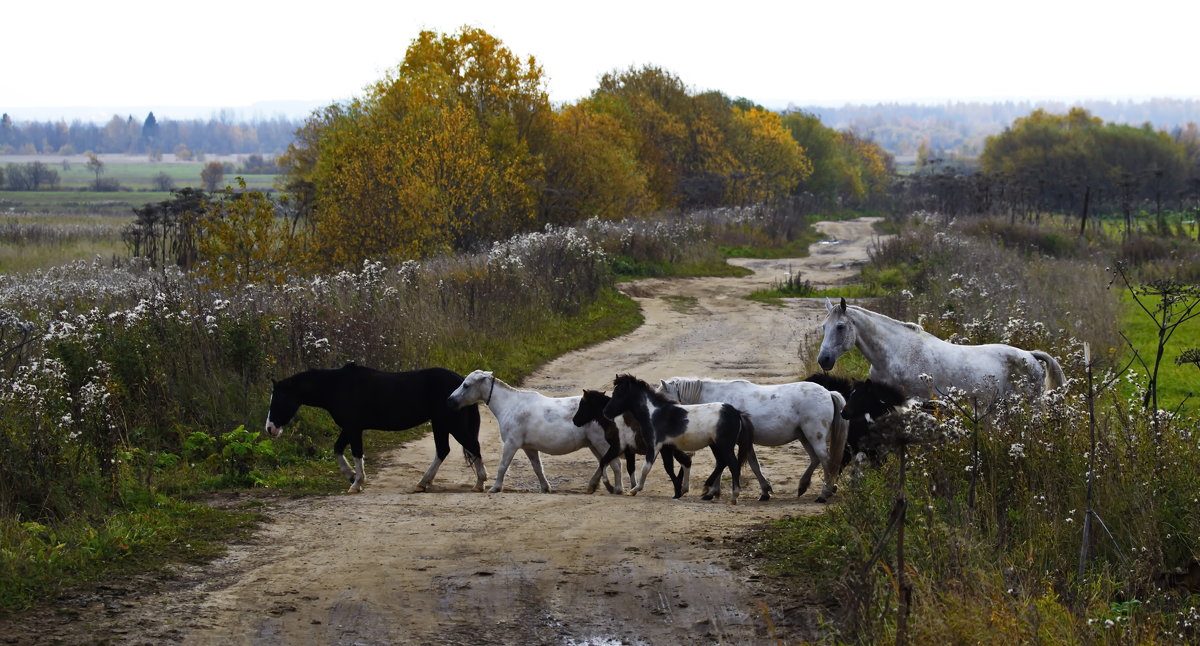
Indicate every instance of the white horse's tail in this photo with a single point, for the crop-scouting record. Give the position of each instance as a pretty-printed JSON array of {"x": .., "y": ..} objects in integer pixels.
[
  {"x": 839, "y": 429},
  {"x": 1054, "y": 373}
]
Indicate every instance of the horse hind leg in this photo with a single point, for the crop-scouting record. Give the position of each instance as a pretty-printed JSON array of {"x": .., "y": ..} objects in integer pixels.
[
  {"x": 806, "y": 479},
  {"x": 764, "y": 485},
  {"x": 360, "y": 473},
  {"x": 535, "y": 461}
]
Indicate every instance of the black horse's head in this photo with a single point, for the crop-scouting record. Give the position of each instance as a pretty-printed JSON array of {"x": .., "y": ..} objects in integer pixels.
[
  {"x": 872, "y": 398},
  {"x": 591, "y": 407},
  {"x": 627, "y": 393},
  {"x": 285, "y": 401}
]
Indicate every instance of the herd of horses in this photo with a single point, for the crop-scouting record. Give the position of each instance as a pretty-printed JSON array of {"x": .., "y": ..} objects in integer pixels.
[{"x": 832, "y": 417}]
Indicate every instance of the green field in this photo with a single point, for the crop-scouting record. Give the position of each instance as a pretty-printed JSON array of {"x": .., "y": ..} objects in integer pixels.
[
  {"x": 1176, "y": 383},
  {"x": 136, "y": 181}
]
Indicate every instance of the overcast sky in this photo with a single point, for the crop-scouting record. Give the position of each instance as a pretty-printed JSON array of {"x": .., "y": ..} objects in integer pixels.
[{"x": 220, "y": 53}]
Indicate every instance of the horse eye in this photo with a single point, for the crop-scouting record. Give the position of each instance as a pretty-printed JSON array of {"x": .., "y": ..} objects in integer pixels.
[{"x": 841, "y": 326}]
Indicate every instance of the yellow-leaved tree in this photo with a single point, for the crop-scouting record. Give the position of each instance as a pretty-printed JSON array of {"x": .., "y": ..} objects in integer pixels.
[
  {"x": 443, "y": 153},
  {"x": 592, "y": 167},
  {"x": 771, "y": 162}
]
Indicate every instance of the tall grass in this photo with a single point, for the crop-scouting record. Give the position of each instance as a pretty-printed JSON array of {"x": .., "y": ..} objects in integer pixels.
[{"x": 993, "y": 535}]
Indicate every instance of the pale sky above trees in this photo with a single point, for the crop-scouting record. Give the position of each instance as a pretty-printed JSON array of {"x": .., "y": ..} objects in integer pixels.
[{"x": 221, "y": 53}]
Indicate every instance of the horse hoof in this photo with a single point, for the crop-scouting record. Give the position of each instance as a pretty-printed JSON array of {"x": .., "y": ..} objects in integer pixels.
[
  {"x": 707, "y": 496},
  {"x": 617, "y": 491},
  {"x": 607, "y": 486},
  {"x": 419, "y": 489},
  {"x": 733, "y": 501},
  {"x": 494, "y": 490},
  {"x": 476, "y": 488},
  {"x": 354, "y": 490},
  {"x": 821, "y": 499},
  {"x": 765, "y": 497},
  {"x": 631, "y": 492}
]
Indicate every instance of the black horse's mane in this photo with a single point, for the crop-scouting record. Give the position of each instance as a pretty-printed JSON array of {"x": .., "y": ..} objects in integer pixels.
[
  {"x": 655, "y": 396},
  {"x": 842, "y": 385},
  {"x": 885, "y": 393}
]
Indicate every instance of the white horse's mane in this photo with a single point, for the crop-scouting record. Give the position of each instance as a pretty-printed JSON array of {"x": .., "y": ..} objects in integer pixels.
[{"x": 915, "y": 327}]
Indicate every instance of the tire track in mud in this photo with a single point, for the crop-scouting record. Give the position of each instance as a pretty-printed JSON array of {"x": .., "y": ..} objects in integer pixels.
[{"x": 456, "y": 567}]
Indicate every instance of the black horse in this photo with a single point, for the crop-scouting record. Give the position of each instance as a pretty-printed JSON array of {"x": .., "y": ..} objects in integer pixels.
[
  {"x": 687, "y": 427},
  {"x": 359, "y": 398},
  {"x": 591, "y": 409},
  {"x": 866, "y": 402}
]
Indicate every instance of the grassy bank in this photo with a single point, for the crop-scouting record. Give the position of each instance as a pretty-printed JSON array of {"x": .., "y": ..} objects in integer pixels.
[{"x": 995, "y": 503}]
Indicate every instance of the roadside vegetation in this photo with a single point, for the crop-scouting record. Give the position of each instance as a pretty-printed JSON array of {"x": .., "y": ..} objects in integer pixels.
[
  {"x": 451, "y": 216},
  {"x": 130, "y": 390},
  {"x": 996, "y": 501}
]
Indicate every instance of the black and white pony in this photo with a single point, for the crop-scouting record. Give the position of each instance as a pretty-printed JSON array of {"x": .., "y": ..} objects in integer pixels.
[
  {"x": 782, "y": 413},
  {"x": 360, "y": 398},
  {"x": 868, "y": 404},
  {"x": 624, "y": 436},
  {"x": 718, "y": 426}
]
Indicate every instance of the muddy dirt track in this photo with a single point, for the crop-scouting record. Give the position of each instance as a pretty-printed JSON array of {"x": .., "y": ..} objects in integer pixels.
[{"x": 456, "y": 567}]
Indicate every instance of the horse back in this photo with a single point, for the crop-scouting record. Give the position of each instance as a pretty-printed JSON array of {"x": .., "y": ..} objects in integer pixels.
[{"x": 393, "y": 401}]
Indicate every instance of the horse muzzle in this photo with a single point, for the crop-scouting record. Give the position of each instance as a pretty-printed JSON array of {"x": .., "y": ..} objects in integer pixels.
[
  {"x": 826, "y": 361},
  {"x": 273, "y": 430}
]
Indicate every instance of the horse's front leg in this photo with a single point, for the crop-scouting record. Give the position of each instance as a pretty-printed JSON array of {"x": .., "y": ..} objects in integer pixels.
[
  {"x": 651, "y": 451},
  {"x": 535, "y": 461},
  {"x": 611, "y": 454},
  {"x": 360, "y": 473},
  {"x": 441, "y": 448},
  {"x": 506, "y": 456},
  {"x": 339, "y": 449},
  {"x": 610, "y": 459},
  {"x": 676, "y": 479}
]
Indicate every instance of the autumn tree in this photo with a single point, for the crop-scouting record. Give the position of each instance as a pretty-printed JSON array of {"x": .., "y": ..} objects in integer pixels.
[
  {"x": 770, "y": 163},
  {"x": 444, "y": 152},
  {"x": 212, "y": 175},
  {"x": 591, "y": 167},
  {"x": 242, "y": 241}
]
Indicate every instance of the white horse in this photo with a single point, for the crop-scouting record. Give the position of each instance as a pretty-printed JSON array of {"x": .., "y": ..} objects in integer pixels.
[
  {"x": 784, "y": 412},
  {"x": 532, "y": 422},
  {"x": 900, "y": 352}
]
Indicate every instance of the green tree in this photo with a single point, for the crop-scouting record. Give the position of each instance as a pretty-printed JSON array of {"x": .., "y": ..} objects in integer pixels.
[
  {"x": 242, "y": 241},
  {"x": 95, "y": 165}
]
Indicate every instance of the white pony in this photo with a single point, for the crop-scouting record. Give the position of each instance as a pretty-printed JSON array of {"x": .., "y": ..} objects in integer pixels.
[
  {"x": 532, "y": 422},
  {"x": 784, "y": 412},
  {"x": 899, "y": 353}
]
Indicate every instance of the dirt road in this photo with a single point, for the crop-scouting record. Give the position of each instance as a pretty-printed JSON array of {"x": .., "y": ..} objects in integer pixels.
[{"x": 456, "y": 567}]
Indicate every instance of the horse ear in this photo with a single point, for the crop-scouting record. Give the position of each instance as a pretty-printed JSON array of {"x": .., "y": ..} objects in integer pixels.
[
  {"x": 828, "y": 304},
  {"x": 843, "y": 305},
  {"x": 664, "y": 383}
]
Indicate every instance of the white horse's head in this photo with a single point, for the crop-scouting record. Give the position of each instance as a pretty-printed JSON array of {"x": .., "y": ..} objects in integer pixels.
[
  {"x": 477, "y": 387},
  {"x": 840, "y": 335}
]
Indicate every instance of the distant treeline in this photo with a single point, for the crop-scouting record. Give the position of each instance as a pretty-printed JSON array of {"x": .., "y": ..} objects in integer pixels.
[
  {"x": 129, "y": 135},
  {"x": 960, "y": 128}
]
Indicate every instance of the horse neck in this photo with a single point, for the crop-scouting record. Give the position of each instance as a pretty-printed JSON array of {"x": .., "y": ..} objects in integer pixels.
[
  {"x": 875, "y": 336},
  {"x": 315, "y": 388},
  {"x": 502, "y": 396}
]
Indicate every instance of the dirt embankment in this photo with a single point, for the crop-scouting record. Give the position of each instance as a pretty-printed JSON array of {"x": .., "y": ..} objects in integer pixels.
[{"x": 456, "y": 567}]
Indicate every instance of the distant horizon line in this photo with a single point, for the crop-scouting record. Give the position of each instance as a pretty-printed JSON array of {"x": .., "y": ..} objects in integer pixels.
[{"x": 300, "y": 108}]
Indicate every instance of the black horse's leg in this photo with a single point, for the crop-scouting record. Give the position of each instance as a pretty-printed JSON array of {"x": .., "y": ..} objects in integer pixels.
[
  {"x": 630, "y": 458},
  {"x": 339, "y": 449},
  {"x": 441, "y": 444},
  {"x": 676, "y": 479},
  {"x": 465, "y": 429},
  {"x": 614, "y": 451},
  {"x": 650, "y": 455},
  {"x": 727, "y": 458},
  {"x": 360, "y": 474},
  {"x": 712, "y": 486},
  {"x": 685, "y": 470}
]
